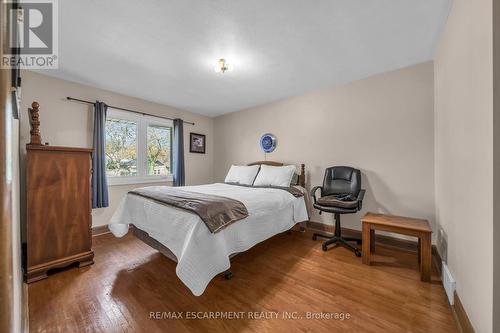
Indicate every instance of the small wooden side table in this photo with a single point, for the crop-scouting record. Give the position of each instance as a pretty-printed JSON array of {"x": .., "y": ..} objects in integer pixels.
[{"x": 403, "y": 225}]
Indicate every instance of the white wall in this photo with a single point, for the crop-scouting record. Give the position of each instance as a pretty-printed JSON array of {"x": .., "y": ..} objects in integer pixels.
[
  {"x": 382, "y": 125},
  {"x": 464, "y": 153},
  {"x": 65, "y": 123},
  {"x": 496, "y": 164}
]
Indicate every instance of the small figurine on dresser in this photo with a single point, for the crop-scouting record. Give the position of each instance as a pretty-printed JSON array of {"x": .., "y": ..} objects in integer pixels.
[{"x": 35, "y": 124}]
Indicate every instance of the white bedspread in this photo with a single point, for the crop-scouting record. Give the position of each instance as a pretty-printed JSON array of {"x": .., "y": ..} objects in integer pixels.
[{"x": 200, "y": 254}]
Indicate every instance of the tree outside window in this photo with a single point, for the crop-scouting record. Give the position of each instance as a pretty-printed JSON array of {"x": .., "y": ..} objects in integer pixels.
[
  {"x": 138, "y": 148},
  {"x": 159, "y": 150},
  {"x": 121, "y": 148}
]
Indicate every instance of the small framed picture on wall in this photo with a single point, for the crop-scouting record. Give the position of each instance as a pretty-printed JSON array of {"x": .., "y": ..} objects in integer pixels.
[{"x": 197, "y": 143}]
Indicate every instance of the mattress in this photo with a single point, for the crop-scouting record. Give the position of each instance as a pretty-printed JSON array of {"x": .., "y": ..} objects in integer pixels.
[{"x": 200, "y": 254}]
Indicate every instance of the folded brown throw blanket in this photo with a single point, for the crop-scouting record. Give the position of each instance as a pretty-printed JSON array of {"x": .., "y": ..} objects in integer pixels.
[{"x": 216, "y": 211}]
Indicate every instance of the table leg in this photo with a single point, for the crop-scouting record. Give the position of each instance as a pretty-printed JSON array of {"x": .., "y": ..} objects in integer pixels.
[
  {"x": 425, "y": 257},
  {"x": 366, "y": 243},
  {"x": 419, "y": 250},
  {"x": 372, "y": 240}
]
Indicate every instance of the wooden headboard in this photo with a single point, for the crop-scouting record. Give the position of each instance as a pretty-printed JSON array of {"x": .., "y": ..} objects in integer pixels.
[{"x": 302, "y": 174}]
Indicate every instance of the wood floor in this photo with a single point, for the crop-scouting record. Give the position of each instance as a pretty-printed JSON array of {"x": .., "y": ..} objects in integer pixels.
[{"x": 288, "y": 273}]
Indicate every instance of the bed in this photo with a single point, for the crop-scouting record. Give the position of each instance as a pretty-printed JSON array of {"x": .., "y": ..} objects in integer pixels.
[{"x": 183, "y": 237}]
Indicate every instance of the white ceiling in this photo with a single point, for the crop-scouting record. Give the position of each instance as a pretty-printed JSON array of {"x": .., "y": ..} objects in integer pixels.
[{"x": 165, "y": 51}]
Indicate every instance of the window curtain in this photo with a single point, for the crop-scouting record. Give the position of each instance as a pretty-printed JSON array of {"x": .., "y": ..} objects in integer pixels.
[
  {"x": 178, "y": 153},
  {"x": 99, "y": 181}
]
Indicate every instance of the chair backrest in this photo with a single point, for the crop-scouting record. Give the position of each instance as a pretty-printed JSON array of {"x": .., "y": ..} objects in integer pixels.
[{"x": 341, "y": 180}]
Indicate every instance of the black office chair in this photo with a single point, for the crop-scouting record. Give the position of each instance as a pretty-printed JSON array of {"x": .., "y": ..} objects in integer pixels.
[{"x": 341, "y": 193}]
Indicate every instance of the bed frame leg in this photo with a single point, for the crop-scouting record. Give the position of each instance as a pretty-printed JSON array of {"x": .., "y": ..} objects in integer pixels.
[{"x": 228, "y": 275}]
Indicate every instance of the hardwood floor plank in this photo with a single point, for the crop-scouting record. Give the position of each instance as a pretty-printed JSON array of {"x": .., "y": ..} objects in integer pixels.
[{"x": 286, "y": 274}]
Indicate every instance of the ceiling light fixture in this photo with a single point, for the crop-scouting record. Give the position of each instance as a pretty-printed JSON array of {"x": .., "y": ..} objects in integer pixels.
[{"x": 222, "y": 66}]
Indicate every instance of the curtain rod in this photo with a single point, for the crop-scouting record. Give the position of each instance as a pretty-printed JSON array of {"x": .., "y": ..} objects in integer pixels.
[{"x": 134, "y": 111}]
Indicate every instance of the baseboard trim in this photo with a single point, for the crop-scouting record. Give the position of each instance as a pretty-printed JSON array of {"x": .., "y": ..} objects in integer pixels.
[
  {"x": 100, "y": 230},
  {"x": 394, "y": 242},
  {"x": 402, "y": 244},
  {"x": 463, "y": 322}
]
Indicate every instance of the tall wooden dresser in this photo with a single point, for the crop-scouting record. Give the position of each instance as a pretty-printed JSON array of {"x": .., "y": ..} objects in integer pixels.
[{"x": 59, "y": 217}]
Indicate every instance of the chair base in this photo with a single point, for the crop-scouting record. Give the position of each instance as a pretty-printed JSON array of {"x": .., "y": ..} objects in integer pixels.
[{"x": 337, "y": 238}]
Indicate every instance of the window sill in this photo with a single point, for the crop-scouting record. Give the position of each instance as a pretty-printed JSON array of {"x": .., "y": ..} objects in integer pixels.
[{"x": 117, "y": 181}]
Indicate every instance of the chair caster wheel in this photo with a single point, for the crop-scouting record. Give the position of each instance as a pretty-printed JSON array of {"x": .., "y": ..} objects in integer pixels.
[
  {"x": 314, "y": 237},
  {"x": 228, "y": 275},
  {"x": 324, "y": 248},
  {"x": 358, "y": 254}
]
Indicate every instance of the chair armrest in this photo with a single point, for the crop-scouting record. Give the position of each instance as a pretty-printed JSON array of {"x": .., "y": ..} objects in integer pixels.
[
  {"x": 361, "y": 195},
  {"x": 313, "y": 192}
]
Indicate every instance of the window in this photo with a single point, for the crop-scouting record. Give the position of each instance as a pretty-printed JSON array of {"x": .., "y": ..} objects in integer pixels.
[
  {"x": 138, "y": 148},
  {"x": 159, "y": 150},
  {"x": 121, "y": 147}
]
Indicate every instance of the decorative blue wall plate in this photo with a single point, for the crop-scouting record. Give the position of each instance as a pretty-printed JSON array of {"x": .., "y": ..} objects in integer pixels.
[{"x": 268, "y": 142}]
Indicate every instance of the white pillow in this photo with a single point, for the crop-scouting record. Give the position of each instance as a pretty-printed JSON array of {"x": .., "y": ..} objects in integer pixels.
[
  {"x": 275, "y": 176},
  {"x": 242, "y": 174}
]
